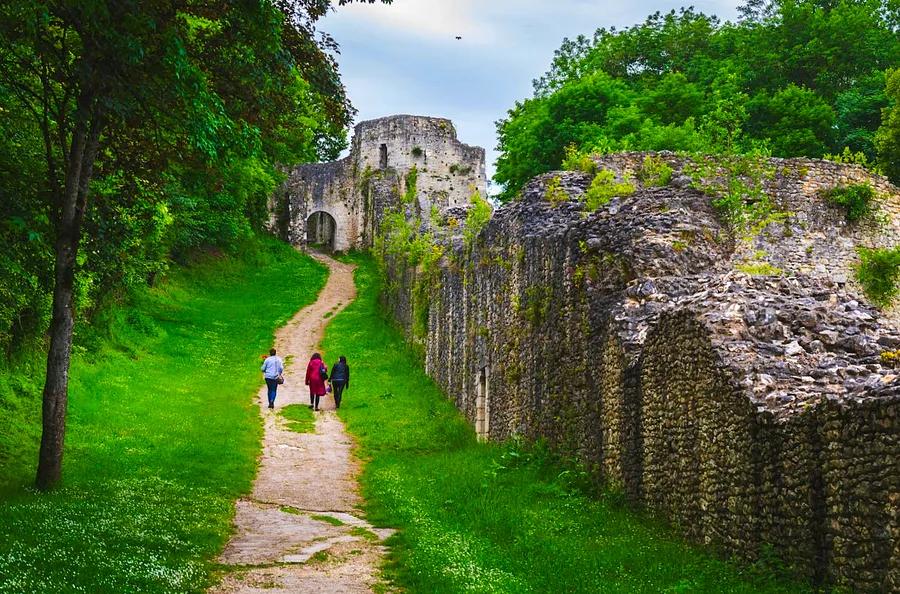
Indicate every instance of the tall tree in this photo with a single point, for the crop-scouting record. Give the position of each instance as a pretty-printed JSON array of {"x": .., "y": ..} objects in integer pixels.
[{"x": 85, "y": 69}]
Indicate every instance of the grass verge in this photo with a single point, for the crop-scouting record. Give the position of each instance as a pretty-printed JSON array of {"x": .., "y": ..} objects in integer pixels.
[
  {"x": 481, "y": 517},
  {"x": 162, "y": 433}
]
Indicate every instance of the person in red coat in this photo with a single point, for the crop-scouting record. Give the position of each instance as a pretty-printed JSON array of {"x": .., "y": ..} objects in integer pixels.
[{"x": 316, "y": 374}]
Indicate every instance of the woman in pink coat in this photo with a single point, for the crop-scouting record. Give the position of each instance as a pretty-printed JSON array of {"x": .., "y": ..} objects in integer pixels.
[{"x": 316, "y": 374}]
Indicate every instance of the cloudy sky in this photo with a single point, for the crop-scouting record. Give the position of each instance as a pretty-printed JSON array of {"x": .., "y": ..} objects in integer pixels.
[{"x": 404, "y": 58}]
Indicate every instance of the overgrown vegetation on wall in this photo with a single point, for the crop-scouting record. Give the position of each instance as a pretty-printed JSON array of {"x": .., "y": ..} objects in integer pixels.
[
  {"x": 790, "y": 78},
  {"x": 487, "y": 517},
  {"x": 857, "y": 200},
  {"x": 879, "y": 274}
]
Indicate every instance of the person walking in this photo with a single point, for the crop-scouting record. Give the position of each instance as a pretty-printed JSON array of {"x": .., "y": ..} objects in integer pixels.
[
  {"x": 340, "y": 379},
  {"x": 273, "y": 368},
  {"x": 316, "y": 374}
]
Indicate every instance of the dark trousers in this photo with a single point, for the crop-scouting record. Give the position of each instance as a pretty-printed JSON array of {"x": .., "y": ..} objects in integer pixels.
[
  {"x": 272, "y": 385},
  {"x": 337, "y": 388},
  {"x": 314, "y": 400}
]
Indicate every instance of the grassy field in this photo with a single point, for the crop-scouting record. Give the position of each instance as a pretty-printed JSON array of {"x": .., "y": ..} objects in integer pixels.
[
  {"x": 486, "y": 517},
  {"x": 162, "y": 434}
]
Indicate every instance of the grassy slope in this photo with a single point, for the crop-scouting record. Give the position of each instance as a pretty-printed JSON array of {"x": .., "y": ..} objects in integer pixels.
[
  {"x": 162, "y": 435},
  {"x": 487, "y": 517}
]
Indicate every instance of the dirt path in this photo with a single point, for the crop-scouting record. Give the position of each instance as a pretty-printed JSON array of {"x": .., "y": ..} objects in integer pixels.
[{"x": 300, "y": 530}]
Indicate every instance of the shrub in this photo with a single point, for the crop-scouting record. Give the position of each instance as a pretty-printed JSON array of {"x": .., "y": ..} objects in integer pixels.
[
  {"x": 409, "y": 196},
  {"x": 891, "y": 358},
  {"x": 554, "y": 192},
  {"x": 416, "y": 151},
  {"x": 848, "y": 157},
  {"x": 477, "y": 217},
  {"x": 878, "y": 272},
  {"x": 655, "y": 172},
  {"x": 603, "y": 188},
  {"x": 858, "y": 200},
  {"x": 458, "y": 169},
  {"x": 576, "y": 160},
  {"x": 759, "y": 269}
]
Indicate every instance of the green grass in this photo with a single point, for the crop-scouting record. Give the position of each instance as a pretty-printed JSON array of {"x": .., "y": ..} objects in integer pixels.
[
  {"x": 302, "y": 419},
  {"x": 481, "y": 517},
  {"x": 163, "y": 434},
  {"x": 328, "y": 520}
]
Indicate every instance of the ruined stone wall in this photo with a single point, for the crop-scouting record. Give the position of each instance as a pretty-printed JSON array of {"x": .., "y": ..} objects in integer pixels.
[
  {"x": 753, "y": 412},
  {"x": 358, "y": 189}
]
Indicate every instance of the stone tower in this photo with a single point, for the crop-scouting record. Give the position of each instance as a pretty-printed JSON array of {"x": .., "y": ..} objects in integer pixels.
[{"x": 339, "y": 204}]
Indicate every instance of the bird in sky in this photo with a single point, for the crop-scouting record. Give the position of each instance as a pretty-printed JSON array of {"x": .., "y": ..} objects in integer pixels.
[{"x": 459, "y": 37}]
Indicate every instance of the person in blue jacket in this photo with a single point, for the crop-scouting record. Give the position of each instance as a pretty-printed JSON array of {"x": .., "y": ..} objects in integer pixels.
[{"x": 272, "y": 369}]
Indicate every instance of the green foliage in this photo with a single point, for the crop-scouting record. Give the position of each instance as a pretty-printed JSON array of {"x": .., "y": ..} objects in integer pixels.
[
  {"x": 603, "y": 188},
  {"x": 576, "y": 160},
  {"x": 163, "y": 434},
  {"x": 737, "y": 185},
  {"x": 879, "y": 274},
  {"x": 416, "y": 151},
  {"x": 554, "y": 193},
  {"x": 458, "y": 169},
  {"x": 887, "y": 138},
  {"x": 795, "y": 120},
  {"x": 476, "y": 218},
  {"x": 409, "y": 194},
  {"x": 197, "y": 105},
  {"x": 857, "y": 200},
  {"x": 801, "y": 77},
  {"x": 891, "y": 358},
  {"x": 848, "y": 157},
  {"x": 536, "y": 304},
  {"x": 654, "y": 172},
  {"x": 488, "y": 517},
  {"x": 756, "y": 268}
]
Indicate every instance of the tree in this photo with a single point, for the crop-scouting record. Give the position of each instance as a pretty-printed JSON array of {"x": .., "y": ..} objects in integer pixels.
[
  {"x": 796, "y": 120},
  {"x": 86, "y": 71},
  {"x": 887, "y": 138}
]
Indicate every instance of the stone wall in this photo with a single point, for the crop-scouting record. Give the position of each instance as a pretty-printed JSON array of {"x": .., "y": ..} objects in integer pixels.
[
  {"x": 753, "y": 412},
  {"x": 357, "y": 189}
]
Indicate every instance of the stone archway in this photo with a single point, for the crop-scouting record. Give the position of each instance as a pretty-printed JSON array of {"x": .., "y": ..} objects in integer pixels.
[{"x": 321, "y": 229}]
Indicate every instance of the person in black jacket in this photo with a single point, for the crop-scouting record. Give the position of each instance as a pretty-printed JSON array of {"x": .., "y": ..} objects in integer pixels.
[{"x": 340, "y": 379}]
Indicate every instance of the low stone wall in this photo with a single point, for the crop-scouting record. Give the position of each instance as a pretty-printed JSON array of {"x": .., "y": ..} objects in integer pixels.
[{"x": 754, "y": 413}]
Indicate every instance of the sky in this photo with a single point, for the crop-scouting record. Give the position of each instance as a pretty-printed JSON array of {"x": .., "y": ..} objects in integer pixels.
[{"x": 404, "y": 58}]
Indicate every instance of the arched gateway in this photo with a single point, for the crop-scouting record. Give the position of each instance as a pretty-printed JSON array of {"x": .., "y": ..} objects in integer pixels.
[{"x": 320, "y": 230}]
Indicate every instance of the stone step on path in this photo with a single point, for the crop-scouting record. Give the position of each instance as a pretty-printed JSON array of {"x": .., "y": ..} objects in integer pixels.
[{"x": 301, "y": 529}]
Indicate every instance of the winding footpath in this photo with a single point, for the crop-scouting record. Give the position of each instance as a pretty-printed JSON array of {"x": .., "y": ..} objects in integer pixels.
[{"x": 301, "y": 530}]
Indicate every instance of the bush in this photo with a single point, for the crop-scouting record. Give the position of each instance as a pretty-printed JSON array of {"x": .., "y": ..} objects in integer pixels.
[
  {"x": 575, "y": 160},
  {"x": 603, "y": 188},
  {"x": 655, "y": 172},
  {"x": 848, "y": 157},
  {"x": 477, "y": 217},
  {"x": 878, "y": 272},
  {"x": 858, "y": 200},
  {"x": 554, "y": 193}
]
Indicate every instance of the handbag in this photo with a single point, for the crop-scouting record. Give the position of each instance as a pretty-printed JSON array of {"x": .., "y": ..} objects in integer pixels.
[
  {"x": 280, "y": 379},
  {"x": 323, "y": 373}
]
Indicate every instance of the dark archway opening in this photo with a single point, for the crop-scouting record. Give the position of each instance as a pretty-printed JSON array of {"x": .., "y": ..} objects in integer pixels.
[{"x": 320, "y": 230}]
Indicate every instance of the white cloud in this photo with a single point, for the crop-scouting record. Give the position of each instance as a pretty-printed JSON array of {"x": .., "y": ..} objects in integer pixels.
[{"x": 435, "y": 21}]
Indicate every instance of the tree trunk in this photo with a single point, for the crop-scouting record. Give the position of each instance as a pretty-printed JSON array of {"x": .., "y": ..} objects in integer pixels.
[{"x": 73, "y": 202}]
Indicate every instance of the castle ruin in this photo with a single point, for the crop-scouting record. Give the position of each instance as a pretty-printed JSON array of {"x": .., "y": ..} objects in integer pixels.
[
  {"x": 338, "y": 205},
  {"x": 756, "y": 411}
]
